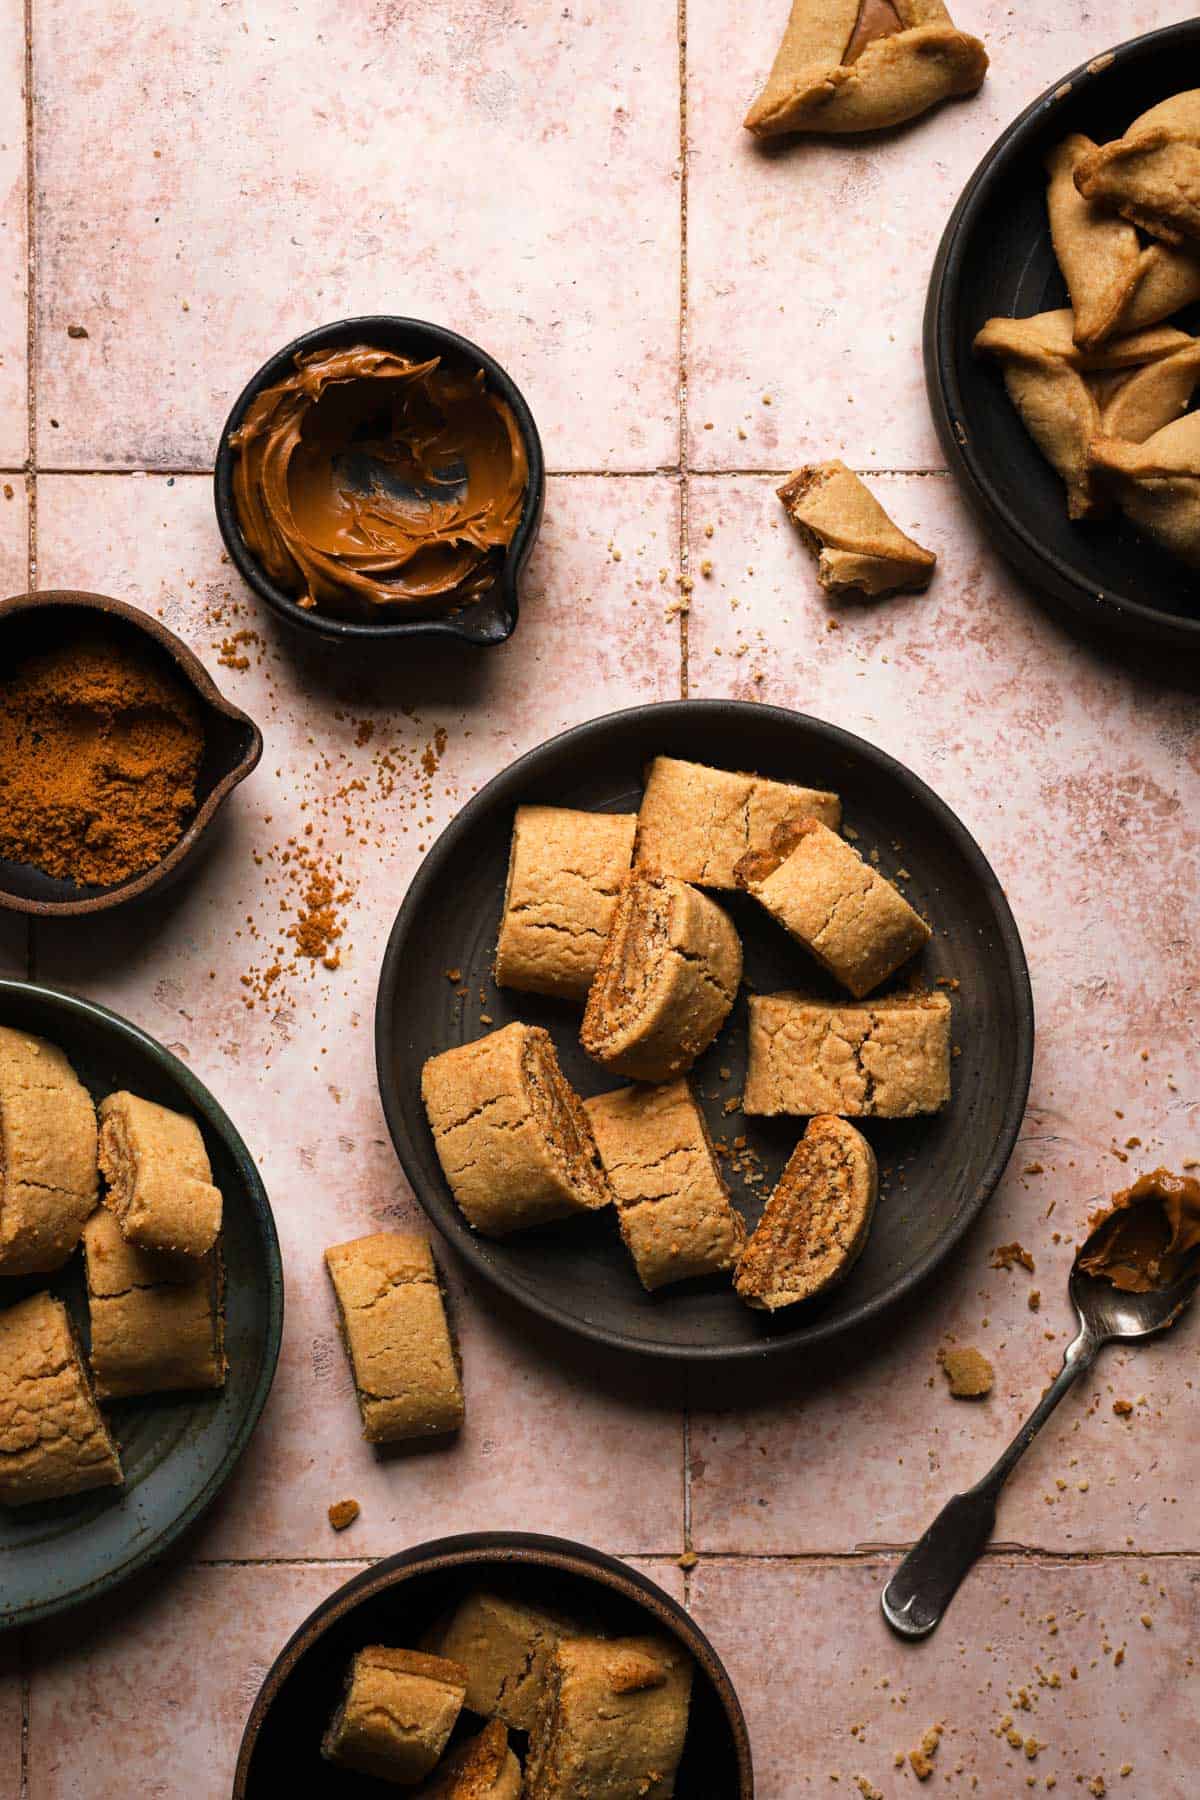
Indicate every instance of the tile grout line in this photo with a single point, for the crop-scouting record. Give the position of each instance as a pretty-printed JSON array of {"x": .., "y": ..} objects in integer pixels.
[
  {"x": 31, "y": 521},
  {"x": 165, "y": 472},
  {"x": 994, "y": 1553}
]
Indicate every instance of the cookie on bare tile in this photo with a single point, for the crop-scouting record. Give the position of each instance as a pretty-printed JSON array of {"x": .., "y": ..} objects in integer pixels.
[
  {"x": 1157, "y": 484},
  {"x": 1151, "y": 176},
  {"x": 860, "y": 65},
  {"x": 858, "y": 548}
]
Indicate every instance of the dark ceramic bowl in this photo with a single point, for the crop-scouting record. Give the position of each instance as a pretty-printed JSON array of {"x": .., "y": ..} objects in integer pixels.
[
  {"x": 996, "y": 258},
  {"x": 177, "y": 1450},
  {"x": 232, "y": 742},
  {"x": 493, "y": 616},
  {"x": 937, "y": 1172},
  {"x": 395, "y": 1601}
]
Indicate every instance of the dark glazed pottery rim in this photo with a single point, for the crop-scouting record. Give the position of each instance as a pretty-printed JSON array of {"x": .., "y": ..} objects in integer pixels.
[
  {"x": 444, "y": 1555},
  {"x": 212, "y": 700},
  {"x": 1013, "y": 534},
  {"x": 220, "y": 1123},
  {"x": 490, "y": 619},
  {"x": 388, "y": 1013}
]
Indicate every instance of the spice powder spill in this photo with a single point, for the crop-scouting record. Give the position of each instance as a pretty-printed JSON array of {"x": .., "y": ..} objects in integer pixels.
[{"x": 99, "y": 749}]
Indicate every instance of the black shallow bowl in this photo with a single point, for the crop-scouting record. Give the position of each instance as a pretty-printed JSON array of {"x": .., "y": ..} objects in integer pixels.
[
  {"x": 31, "y": 623},
  {"x": 488, "y": 620},
  {"x": 178, "y": 1450},
  {"x": 938, "y": 1172},
  {"x": 996, "y": 258},
  {"x": 395, "y": 1601}
]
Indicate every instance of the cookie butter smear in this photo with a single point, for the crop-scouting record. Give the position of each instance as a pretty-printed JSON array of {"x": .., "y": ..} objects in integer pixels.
[
  {"x": 367, "y": 481},
  {"x": 1150, "y": 1234}
]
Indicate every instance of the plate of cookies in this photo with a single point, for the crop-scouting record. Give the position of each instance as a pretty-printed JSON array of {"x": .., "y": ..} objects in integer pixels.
[
  {"x": 1062, "y": 340},
  {"x": 141, "y": 1300},
  {"x": 519, "y": 1666},
  {"x": 704, "y": 1030}
]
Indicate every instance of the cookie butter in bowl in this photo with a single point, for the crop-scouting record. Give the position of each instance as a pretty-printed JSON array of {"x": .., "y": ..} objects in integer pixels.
[{"x": 382, "y": 478}]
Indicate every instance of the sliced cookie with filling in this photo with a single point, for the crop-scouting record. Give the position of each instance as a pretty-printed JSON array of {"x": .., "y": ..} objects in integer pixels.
[
  {"x": 858, "y": 548},
  {"x": 396, "y": 1714},
  {"x": 53, "y": 1439},
  {"x": 484, "y": 1768},
  {"x": 816, "y": 1221},
  {"x": 612, "y": 1722},
  {"x": 695, "y": 822},
  {"x": 160, "y": 1184}
]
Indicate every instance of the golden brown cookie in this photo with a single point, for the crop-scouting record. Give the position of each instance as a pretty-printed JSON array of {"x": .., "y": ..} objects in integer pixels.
[
  {"x": 1151, "y": 176},
  {"x": 612, "y": 1722},
  {"x": 816, "y": 1221},
  {"x": 883, "y": 1059},
  {"x": 484, "y": 1768},
  {"x": 1157, "y": 484},
  {"x": 160, "y": 1184},
  {"x": 48, "y": 1173},
  {"x": 564, "y": 870},
  {"x": 859, "y": 65},
  {"x": 392, "y": 1319},
  {"x": 396, "y": 1714},
  {"x": 858, "y": 549},
  {"x": 53, "y": 1439},
  {"x": 695, "y": 822},
  {"x": 158, "y": 1322}
]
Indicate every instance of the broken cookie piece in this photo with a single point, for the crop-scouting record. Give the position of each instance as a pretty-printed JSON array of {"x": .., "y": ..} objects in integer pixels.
[
  {"x": 1157, "y": 484},
  {"x": 511, "y": 1133},
  {"x": 564, "y": 871},
  {"x": 860, "y": 65},
  {"x": 816, "y": 1221},
  {"x": 53, "y": 1440},
  {"x": 968, "y": 1372},
  {"x": 695, "y": 822},
  {"x": 484, "y": 1768},
  {"x": 396, "y": 1714},
  {"x": 392, "y": 1319},
  {"x": 673, "y": 1207},
  {"x": 1117, "y": 284},
  {"x": 612, "y": 1721},
  {"x": 1067, "y": 397},
  {"x": 668, "y": 976},
  {"x": 844, "y": 912},
  {"x": 505, "y": 1644},
  {"x": 48, "y": 1175},
  {"x": 884, "y": 1059},
  {"x": 858, "y": 548},
  {"x": 160, "y": 1184},
  {"x": 1151, "y": 176},
  {"x": 157, "y": 1322}
]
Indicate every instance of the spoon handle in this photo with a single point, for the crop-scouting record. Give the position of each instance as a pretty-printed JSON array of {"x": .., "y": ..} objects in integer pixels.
[{"x": 921, "y": 1589}]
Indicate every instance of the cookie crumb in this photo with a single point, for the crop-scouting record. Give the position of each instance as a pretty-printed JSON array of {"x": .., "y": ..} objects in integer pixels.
[
  {"x": 688, "y": 1560},
  {"x": 343, "y": 1513},
  {"x": 969, "y": 1373},
  {"x": 1006, "y": 1256},
  {"x": 922, "y": 1757}
]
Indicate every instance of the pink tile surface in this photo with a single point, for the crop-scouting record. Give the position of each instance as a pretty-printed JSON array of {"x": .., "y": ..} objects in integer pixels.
[
  {"x": 547, "y": 1445},
  {"x": 808, "y": 260},
  {"x": 1030, "y": 1647},
  {"x": 1099, "y": 764},
  {"x": 175, "y": 1700},
  {"x": 302, "y": 163},
  {"x": 14, "y": 552},
  {"x": 10, "y": 1716},
  {"x": 14, "y": 252}
]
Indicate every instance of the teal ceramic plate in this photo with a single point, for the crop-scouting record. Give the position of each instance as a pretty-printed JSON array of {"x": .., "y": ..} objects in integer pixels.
[{"x": 178, "y": 1450}]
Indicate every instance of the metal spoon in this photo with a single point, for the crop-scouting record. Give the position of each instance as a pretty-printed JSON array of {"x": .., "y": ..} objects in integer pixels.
[{"x": 921, "y": 1589}]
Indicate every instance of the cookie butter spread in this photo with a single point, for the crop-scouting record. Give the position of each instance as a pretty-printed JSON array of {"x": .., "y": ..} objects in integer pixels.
[
  {"x": 366, "y": 481},
  {"x": 1147, "y": 1238}
]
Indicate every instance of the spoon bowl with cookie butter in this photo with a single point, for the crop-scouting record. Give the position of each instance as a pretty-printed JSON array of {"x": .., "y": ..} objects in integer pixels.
[
  {"x": 116, "y": 752},
  {"x": 382, "y": 478},
  {"x": 1135, "y": 1273}
]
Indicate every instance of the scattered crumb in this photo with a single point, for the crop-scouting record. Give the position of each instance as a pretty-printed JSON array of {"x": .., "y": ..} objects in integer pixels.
[
  {"x": 1122, "y": 1408},
  {"x": 969, "y": 1373},
  {"x": 76, "y": 331},
  {"x": 1006, "y": 1256},
  {"x": 688, "y": 1560},
  {"x": 922, "y": 1757},
  {"x": 343, "y": 1513},
  {"x": 1035, "y": 1299}
]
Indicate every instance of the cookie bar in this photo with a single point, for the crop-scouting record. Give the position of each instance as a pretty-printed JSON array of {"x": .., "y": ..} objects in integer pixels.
[
  {"x": 396, "y": 1714},
  {"x": 861, "y": 65},
  {"x": 392, "y": 1318},
  {"x": 695, "y": 822},
  {"x": 612, "y": 1721},
  {"x": 484, "y": 1768},
  {"x": 53, "y": 1440},
  {"x": 511, "y": 1133},
  {"x": 48, "y": 1176},
  {"x": 852, "y": 920},
  {"x": 504, "y": 1644},
  {"x": 884, "y": 1059},
  {"x": 1157, "y": 484},
  {"x": 816, "y": 1221},
  {"x": 157, "y": 1322},
  {"x": 1151, "y": 176},
  {"x": 668, "y": 976},
  {"x": 564, "y": 870},
  {"x": 1117, "y": 284},
  {"x": 160, "y": 1184},
  {"x": 672, "y": 1205},
  {"x": 857, "y": 547}
]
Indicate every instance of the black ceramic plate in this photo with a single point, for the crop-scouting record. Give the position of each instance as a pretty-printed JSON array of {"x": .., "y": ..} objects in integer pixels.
[
  {"x": 938, "y": 1171},
  {"x": 177, "y": 1450},
  {"x": 996, "y": 258},
  {"x": 394, "y": 1602}
]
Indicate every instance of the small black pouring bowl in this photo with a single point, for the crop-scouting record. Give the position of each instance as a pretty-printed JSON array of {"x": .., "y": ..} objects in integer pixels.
[
  {"x": 490, "y": 619},
  {"x": 31, "y": 623}
]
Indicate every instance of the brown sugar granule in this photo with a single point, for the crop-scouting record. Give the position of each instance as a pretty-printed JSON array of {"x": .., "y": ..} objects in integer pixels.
[
  {"x": 922, "y": 1757},
  {"x": 343, "y": 1513},
  {"x": 99, "y": 748},
  {"x": 968, "y": 1371},
  {"x": 1006, "y": 1256}
]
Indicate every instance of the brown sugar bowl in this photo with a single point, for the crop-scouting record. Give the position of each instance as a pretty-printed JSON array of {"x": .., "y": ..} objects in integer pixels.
[{"x": 41, "y": 624}]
